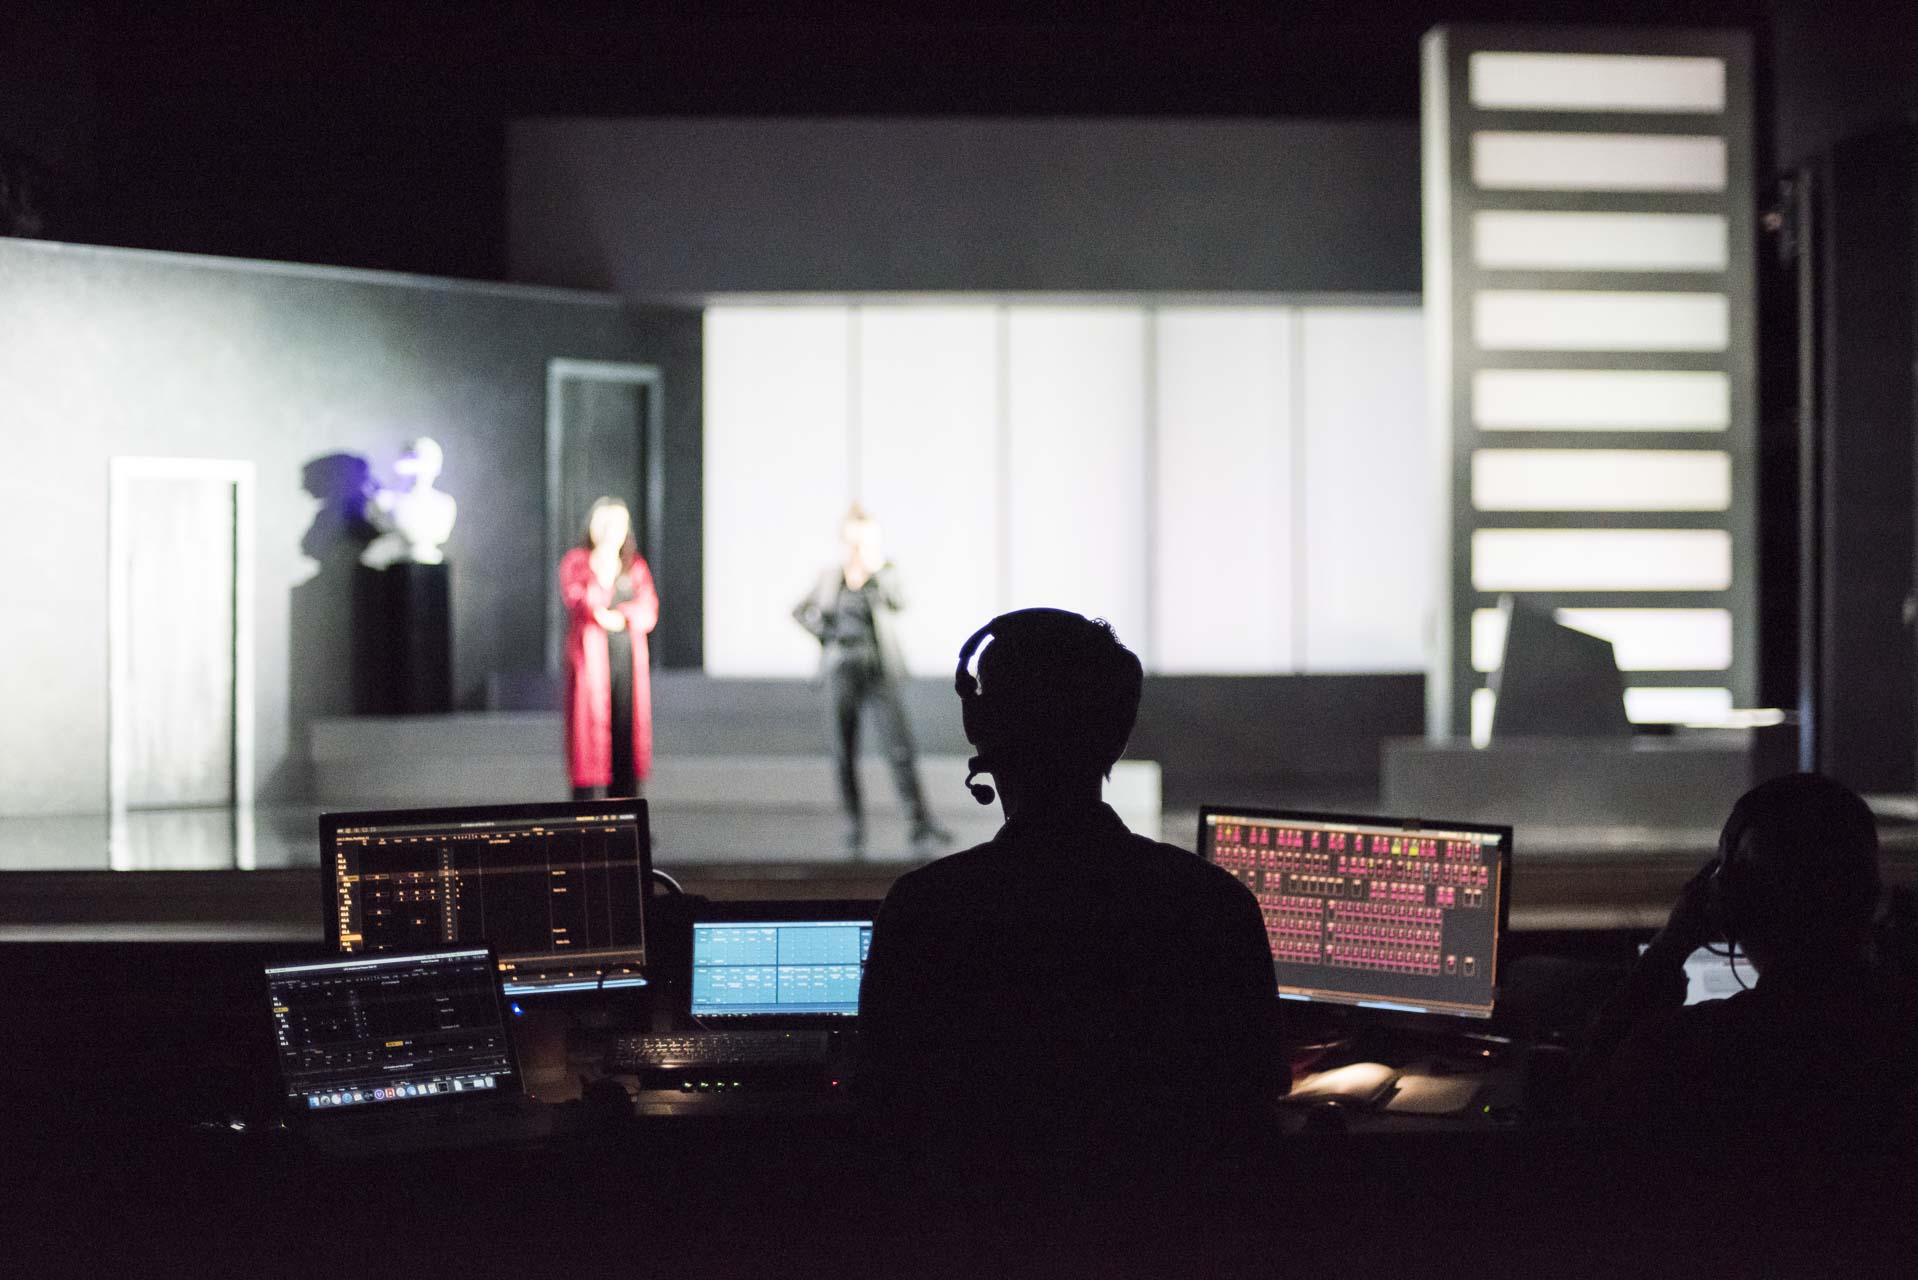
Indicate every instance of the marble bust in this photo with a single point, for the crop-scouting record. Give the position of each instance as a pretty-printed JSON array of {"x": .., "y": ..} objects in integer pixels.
[{"x": 416, "y": 521}]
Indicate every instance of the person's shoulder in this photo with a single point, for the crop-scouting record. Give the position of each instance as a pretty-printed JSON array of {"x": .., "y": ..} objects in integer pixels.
[
  {"x": 961, "y": 866},
  {"x": 1189, "y": 867}
]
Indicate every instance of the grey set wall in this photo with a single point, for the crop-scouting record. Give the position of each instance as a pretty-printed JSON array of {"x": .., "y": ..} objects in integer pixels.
[
  {"x": 109, "y": 352},
  {"x": 689, "y": 208}
]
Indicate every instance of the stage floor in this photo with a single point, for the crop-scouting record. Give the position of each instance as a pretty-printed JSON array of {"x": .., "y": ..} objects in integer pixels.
[{"x": 170, "y": 875}]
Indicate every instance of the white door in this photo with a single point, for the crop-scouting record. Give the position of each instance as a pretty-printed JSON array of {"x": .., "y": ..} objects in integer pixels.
[{"x": 179, "y": 633}]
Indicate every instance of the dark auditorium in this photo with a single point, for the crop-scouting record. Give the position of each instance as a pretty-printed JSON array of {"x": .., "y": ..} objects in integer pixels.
[{"x": 1233, "y": 638}]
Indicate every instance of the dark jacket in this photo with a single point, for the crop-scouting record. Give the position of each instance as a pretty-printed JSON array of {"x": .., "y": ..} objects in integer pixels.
[
  {"x": 1063, "y": 991},
  {"x": 817, "y": 614},
  {"x": 1815, "y": 1054}
]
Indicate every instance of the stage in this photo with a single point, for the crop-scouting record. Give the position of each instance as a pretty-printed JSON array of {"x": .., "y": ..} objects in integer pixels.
[{"x": 215, "y": 875}]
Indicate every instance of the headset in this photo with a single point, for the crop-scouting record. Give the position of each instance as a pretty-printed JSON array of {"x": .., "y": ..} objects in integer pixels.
[
  {"x": 966, "y": 685},
  {"x": 978, "y": 710},
  {"x": 1732, "y": 890},
  {"x": 1721, "y": 895}
]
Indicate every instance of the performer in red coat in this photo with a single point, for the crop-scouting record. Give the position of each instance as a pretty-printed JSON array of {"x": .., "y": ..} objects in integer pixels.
[{"x": 612, "y": 606}]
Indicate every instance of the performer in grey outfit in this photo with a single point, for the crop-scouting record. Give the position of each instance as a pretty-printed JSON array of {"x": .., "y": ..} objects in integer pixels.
[{"x": 851, "y": 612}]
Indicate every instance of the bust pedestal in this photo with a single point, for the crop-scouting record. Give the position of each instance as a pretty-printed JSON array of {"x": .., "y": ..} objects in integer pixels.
[{"x": 403, "y": 639}]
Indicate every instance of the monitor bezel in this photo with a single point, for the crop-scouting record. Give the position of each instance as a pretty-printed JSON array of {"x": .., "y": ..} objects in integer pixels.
[
  {"x": 330, "y": 823},
  {"x": 1351, "y": 1009},
  {"x": 772, "y": 911},
  {"x": 335, "y": 959}
]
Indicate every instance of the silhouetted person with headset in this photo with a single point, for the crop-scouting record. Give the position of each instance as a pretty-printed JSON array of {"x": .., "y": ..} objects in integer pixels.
[
  {"x": 1820, "y": 1047},
  {"x": 1069, "y": 991}
]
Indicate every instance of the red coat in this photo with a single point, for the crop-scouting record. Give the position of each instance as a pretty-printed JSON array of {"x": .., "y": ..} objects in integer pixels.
[{"x": 589, "y": 688}]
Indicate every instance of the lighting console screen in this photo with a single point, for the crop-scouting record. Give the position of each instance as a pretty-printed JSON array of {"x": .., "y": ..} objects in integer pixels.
[
  {"x": 560, "y": 898},
  {"x": 1372, "y": 912},
  {"x": 779, "y": 967}
]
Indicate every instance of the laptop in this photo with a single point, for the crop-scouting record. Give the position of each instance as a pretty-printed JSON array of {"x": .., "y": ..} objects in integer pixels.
[
  {"x": 1710, "y": 974},
  {"x": 399, "y": 1050}
]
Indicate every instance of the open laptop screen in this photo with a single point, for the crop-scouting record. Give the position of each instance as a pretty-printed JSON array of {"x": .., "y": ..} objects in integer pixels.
[
  {"x": 1381, "y": 913},
  {"x": 385, "y": 1029},
  {"x": 778, "y": 968}
]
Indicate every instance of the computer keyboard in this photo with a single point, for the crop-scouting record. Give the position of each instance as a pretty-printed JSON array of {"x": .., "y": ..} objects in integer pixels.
[{"x": 729, "y": 1049}]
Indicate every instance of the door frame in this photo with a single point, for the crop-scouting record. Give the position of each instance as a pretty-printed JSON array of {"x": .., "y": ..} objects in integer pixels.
[
  {"x": 651, "y": 518},
  {"x": 122, "y": 472}
]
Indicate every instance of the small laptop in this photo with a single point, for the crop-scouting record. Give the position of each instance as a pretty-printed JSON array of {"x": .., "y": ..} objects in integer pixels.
[
  {"x": 399, "y": 1050},
  {"x": 1712, "y": 975}
]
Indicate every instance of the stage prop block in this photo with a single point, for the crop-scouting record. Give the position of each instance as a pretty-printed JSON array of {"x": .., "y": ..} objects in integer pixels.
[
  {"x": 403, "y": 639},
  {"x": 1678, "y": 780}
]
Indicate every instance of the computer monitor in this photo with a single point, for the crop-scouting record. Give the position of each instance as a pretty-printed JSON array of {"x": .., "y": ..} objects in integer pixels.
[
  {"x": 779, "y": 965},
  {"x": 559, "y": 891},
  {"x": 391, "y": 1029},
  {"x": 1390, "y": 914},
  {"x": 1554, "y": 681}
]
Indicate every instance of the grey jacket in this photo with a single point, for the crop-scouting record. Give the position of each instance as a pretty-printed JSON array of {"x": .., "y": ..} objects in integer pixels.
[{"x": 817, "y": 611}]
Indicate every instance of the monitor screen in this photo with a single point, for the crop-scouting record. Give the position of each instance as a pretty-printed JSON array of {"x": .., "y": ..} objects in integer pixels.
[
  {"x": 778, "y": 967},
  {"x": 391, "y": 1029},
  {"x": 1380, "y": 913},
  {"x": 558, "y": 891}
]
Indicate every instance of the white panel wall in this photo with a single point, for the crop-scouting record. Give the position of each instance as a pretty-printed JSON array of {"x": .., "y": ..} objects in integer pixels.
[
  {"x": 1076, "y": 495},
  {"x": 777, "y": 478},
  {"x": 1224, "y": 498},
  {"x": 1369, "y": 588},
  {"x": 1241, "y": 490},
  {"x": 927, "y": 459}
]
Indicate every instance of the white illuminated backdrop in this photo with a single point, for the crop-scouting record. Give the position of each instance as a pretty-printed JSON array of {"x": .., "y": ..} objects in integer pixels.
[{"x": 1239, "y": 489}]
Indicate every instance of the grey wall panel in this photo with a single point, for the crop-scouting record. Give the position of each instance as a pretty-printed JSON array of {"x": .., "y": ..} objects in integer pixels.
[
  {"x": 666, "y": 207},
  {"x": 109, "y": 352}
]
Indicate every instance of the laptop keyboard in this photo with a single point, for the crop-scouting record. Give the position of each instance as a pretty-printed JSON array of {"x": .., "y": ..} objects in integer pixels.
[{"x": 721, "y": 1049}]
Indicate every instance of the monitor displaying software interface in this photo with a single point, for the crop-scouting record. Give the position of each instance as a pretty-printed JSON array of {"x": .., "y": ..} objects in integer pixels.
[
  {"x": 781, "y": 968},
  {"x": 1374, "y": 912},
  {"x": 376, "y": 1030},
  {"x": 557, "y": 891}
]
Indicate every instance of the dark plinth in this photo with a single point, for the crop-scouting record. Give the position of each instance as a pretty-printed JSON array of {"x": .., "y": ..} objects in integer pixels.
[
  {"x": 1683, "y": 780},
  {"x": 403, "y": 640}
]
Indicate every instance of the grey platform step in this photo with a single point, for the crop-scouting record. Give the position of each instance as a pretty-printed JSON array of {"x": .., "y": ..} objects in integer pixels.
[{"x": 492, "y": 757}]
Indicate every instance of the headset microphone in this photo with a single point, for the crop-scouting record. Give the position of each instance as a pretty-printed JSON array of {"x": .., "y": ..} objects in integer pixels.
[{"x": 980, "y": 791}]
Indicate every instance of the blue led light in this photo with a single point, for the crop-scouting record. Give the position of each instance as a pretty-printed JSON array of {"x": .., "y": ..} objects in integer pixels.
[{"x": 517, "y": 1011}]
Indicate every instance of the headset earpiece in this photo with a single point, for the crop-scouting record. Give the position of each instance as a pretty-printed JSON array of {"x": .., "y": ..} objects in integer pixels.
[{"x": 966, "y": 685}]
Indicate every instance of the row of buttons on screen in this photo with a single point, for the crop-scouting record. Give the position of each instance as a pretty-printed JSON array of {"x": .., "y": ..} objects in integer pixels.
[
  {"x": 385, "y": 1093},
  {"x": 720, "y": 1086}
]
